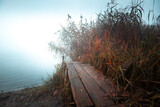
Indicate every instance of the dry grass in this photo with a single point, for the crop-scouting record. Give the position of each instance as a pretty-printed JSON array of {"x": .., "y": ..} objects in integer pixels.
[
  {"x": 55, "y": 84},
  {"x": 117, "y": 37}
]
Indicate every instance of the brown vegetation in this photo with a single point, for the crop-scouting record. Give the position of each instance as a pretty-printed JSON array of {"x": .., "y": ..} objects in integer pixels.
[{"x": 115, "y": 39}]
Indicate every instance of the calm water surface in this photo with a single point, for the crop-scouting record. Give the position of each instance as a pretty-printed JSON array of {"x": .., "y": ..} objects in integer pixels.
[{"x": 18, "y": 70}]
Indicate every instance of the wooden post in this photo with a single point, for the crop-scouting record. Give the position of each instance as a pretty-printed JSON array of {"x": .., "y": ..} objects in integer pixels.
[
  {"x": 62, "y": 61},
  {"x": 65, "y": 70}
]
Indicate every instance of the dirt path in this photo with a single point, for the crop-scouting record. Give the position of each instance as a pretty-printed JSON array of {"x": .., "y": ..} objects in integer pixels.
[{"x": 31, "y": 97}]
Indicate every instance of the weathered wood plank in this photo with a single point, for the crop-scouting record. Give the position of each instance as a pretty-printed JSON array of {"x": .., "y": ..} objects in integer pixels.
[
  {"x": 96, "y": 93},
  {"x": 104, "y": 83},
  {"x": 79, "y": 93}
]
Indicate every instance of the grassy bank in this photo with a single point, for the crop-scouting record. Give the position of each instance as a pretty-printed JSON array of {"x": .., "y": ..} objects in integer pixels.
[
  {"x": 58, "y": 81},
  {"x": 47, "y": 95},
  {"x": 118, "y": 38}
]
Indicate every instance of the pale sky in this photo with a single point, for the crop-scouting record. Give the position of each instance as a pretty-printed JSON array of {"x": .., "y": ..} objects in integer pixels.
[{"x": 26, "y": 26}]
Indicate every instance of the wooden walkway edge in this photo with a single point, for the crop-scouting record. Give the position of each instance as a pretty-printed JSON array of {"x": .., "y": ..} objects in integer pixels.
[
  {"x": 89, "y": 88},
  {"x": 79, "y": 93}
]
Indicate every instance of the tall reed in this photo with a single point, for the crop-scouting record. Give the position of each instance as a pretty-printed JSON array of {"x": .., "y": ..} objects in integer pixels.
[{"x": 113, "y": 40}]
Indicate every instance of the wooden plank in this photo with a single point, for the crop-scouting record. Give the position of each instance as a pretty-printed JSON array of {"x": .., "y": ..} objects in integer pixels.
[
  {"x": 96, "y": 93},
  {"x": 104, "y": 83},
  {"x": 79, "y": 93}
]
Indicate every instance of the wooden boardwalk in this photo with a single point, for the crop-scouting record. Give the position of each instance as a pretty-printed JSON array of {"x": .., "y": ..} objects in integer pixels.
[{"x": 89, "y": 87}]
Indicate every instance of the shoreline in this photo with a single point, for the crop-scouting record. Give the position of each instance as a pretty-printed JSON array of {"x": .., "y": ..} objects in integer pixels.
[
  {"x": 31, "y": 97},
  {"x": 12, "y": 90},
  {"x": 18, "y": 89}
]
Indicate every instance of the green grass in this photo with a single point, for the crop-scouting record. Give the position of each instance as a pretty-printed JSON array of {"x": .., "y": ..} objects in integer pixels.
[{"x": 117, "y": 37}]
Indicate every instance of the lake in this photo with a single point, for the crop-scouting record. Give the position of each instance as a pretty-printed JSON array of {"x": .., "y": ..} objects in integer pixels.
[
  {"x": 19, "y": 70},
  {"x": 24, "y": 53}
]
